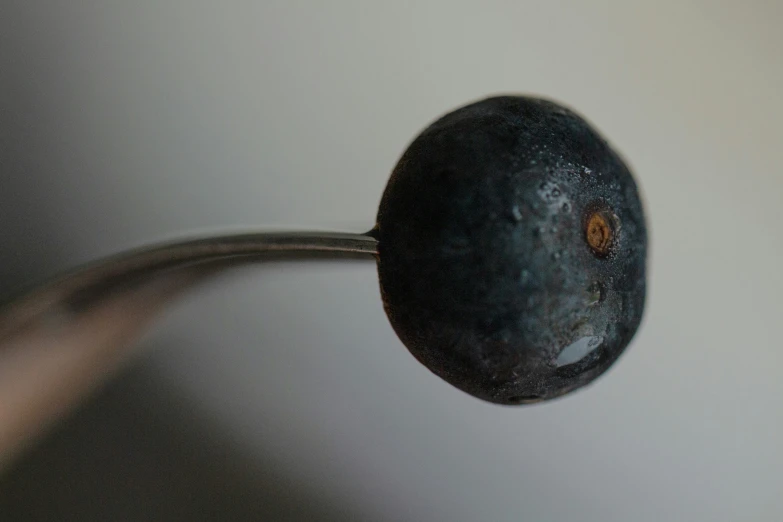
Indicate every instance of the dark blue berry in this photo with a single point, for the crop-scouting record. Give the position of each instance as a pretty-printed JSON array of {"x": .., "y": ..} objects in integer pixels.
[{"x": 512, "y": 248}]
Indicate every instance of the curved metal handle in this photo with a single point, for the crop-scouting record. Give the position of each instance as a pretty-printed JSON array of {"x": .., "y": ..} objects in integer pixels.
[{"x": 58, "y": 341}]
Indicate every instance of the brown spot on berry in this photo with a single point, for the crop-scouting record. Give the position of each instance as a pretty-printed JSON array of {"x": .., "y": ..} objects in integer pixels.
[{"x": 600, "y": 232}]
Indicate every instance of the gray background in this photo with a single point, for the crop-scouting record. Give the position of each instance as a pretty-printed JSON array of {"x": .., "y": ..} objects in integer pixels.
[{"x": 282, "y": 393}]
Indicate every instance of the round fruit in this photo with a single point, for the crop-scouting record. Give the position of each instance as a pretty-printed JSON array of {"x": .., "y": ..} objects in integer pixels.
[{"x": 512, "y": 249}]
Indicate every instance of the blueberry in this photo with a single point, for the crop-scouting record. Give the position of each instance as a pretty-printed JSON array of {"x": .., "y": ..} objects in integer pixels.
[{"x": 512, "y": 250}]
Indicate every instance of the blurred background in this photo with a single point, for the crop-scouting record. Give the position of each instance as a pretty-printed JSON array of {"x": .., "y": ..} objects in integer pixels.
[{"x": 281, "y": 392}]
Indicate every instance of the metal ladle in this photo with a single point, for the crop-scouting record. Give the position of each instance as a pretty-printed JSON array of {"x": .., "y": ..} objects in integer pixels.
[{"x": 60, "y": 339}]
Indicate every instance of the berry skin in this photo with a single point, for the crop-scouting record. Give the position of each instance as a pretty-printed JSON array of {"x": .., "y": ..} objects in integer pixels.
[{"x": 512, "y": 250}]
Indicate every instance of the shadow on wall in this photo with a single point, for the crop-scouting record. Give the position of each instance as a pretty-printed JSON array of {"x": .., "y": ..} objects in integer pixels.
[{"x": 138, "y": 451}]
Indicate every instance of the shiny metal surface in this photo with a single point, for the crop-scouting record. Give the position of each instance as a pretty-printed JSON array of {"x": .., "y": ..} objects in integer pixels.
[
  {"x": 59, "y": 340},
  {"x": 79, "y": 292}
]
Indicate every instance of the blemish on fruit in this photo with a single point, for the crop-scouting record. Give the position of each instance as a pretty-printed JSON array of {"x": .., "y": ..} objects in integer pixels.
[{"x": 600, "y": 232}]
